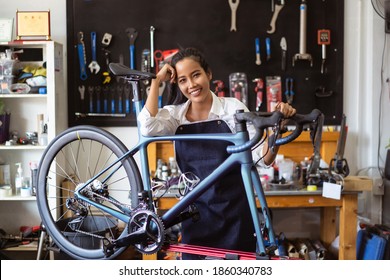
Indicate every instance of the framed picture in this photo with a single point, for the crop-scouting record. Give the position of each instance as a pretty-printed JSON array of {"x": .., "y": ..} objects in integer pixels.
[
  {"x": 6, "y": 26},
  {"x": 33, "y": 25}
]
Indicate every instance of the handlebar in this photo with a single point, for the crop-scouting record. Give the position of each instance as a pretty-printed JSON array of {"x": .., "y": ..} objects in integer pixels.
[{"x": 265, "y": 120}]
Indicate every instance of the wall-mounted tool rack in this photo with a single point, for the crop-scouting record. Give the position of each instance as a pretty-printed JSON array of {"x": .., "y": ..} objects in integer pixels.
[{"x": 207, "y": 26}]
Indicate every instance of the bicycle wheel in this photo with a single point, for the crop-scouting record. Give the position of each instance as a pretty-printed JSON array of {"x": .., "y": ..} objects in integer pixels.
[{"x": 72, "y": 158}]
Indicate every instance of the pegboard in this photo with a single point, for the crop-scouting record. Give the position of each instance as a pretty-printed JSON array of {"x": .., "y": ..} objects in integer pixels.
[{"x": 206, "y": 25}]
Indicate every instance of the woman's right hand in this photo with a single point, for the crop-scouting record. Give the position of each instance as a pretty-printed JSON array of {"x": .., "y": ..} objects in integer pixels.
[{"x": 166, "y": 73}]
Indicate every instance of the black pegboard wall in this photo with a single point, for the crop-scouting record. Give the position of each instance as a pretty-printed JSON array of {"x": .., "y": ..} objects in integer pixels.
[{"x": 206, "y": 25}]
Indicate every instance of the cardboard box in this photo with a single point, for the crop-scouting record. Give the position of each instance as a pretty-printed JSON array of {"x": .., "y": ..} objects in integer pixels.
[{"x": 358, "y": 183}]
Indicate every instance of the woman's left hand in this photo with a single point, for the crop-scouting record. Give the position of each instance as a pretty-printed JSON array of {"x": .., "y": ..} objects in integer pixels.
[{"x": 286, "y": 109}]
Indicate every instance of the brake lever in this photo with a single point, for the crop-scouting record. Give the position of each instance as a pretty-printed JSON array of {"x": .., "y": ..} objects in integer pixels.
[{"x": 300, "y": 121}]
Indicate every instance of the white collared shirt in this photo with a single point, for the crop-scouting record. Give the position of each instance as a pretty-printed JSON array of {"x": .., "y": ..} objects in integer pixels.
[{"x": 170, "y": 117}]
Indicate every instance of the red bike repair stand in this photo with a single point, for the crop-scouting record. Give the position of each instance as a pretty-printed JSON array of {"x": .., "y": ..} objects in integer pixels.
[{"x": 216, "y": 253}]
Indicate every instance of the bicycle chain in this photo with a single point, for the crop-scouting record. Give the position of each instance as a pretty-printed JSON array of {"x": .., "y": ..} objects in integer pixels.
[
  {"x": 89, "y": 192},
  {"x": 94, "y": 235}
]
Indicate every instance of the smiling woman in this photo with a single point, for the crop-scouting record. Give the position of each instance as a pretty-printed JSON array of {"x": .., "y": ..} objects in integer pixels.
[{"x": 223, "y": 210}]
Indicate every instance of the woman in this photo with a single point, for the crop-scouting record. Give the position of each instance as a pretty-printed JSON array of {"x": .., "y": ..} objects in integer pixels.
[{"x": 225, "y": 220}]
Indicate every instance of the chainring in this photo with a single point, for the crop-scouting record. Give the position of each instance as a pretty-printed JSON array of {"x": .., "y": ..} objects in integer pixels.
[{"x": 151, "y": 224}]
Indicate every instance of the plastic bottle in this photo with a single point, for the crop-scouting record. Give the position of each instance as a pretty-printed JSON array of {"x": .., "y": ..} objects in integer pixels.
[
  {"x": 18, "y": 179},
  {"x": 164, "y": 172},
  {"x": 173, "y": 167},
  {"x": 158, "y": 173}
]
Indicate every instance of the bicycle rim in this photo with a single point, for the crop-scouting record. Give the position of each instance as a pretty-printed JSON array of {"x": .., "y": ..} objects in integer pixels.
[{"x": 72, "y": 159}]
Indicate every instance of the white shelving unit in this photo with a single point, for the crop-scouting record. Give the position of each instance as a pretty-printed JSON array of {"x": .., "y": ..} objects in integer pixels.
[{"x": 16, "y": 211}]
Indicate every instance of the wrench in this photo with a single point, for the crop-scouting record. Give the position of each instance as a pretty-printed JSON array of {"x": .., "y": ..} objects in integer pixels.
[
  {"x": 275, "y": 17},
  {"x": 94, "y": 66},
  {"x": 127, "y": 91},
  {"x": 82, "y": 94},
  {"x": 119, "y": 89},
  {"x": 132, "y": 34},
  {"x": 90, "y": 91},
  {"x": 98, "y": 90},
  {"x": 233, "y": 6},
  {"x": 82, "y": 56}
]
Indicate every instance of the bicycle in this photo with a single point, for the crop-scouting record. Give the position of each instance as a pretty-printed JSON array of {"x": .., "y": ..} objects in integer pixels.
[{"x": 107, "y": 203}]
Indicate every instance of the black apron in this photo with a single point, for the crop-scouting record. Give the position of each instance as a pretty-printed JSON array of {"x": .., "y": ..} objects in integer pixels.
[{"x": 225, "y": 219}]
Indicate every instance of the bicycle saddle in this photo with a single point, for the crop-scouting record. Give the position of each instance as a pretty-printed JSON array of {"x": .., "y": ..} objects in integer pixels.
[{"x": 119, "y": 69}]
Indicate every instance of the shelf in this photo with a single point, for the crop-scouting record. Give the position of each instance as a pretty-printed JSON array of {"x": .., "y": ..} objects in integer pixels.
[
  {"x": 33, "y": 246},
  {"x": 22, "y": 147},
  {"x": 29, "y": 95},
  {"x": 25, "y": 108},
  {"x": 18, "y": 198}
]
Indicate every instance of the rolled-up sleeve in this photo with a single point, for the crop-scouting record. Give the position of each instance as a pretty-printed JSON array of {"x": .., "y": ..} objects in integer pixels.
[{"x": 162, "y": 124}]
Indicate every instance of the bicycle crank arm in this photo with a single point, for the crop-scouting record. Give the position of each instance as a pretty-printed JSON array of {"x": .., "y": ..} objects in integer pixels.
[{"x": 146, "y": 234}]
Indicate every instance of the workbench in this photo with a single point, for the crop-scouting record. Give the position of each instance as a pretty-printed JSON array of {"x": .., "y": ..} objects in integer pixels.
[{"x": 301, "y": 198}]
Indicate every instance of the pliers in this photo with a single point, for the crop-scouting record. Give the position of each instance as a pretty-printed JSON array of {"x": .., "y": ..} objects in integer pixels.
[{"x": 289, "y": 93}]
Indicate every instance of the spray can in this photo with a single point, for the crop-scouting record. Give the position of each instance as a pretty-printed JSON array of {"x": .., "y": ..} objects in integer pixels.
[
  {"x": 34, "y": 177},
  {"x": 18, "y": 178}
]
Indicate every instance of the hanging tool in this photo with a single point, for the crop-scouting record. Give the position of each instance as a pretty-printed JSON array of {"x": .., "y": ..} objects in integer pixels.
[
  {"x": 119, "y": 89},
  {"x": 323, "y": 38},
  {"x": 321, "y": 92},
  {"x": 98, "y": 90},
  {"x": 283, "y": 46},
  {"x": 90, "y": 93},
  {"x": 160, "y": 93},
  {"x": 146, "y": 61},
  {"x": 132, "y": 34},
  {"x": 158, "y": 57},
  {"x": 233, "y": 7},
  {"x": 121, "y": 60},
  {"x": 220, "y": 89},
  {"x": 276, "y": 9},
  {"x": 339, "y": 164},
  {"x": 112, "y": 97},
  {"x": 268, "y": 47},
  {"x": 106, "y": 41},
  {"x": 82, "y": 56},
  {"x": 94, "y": 66},
  {"x": 106, "y": 74},
  {"x": 257, "y": 45},
  {"x": 259, "y": 90},
  {"x": 302, "y": 55},
  {"x": 105, "y": 99},
  {"x": 152, "y": 29},
  {"x": 127, "y": 91},
  {"x": 289, "y": 93},
  {"x": 82, "y": 96}
]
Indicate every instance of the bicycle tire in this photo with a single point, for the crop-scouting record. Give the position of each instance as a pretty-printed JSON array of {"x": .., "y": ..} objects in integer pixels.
[{"x": 74, "y": 156}]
